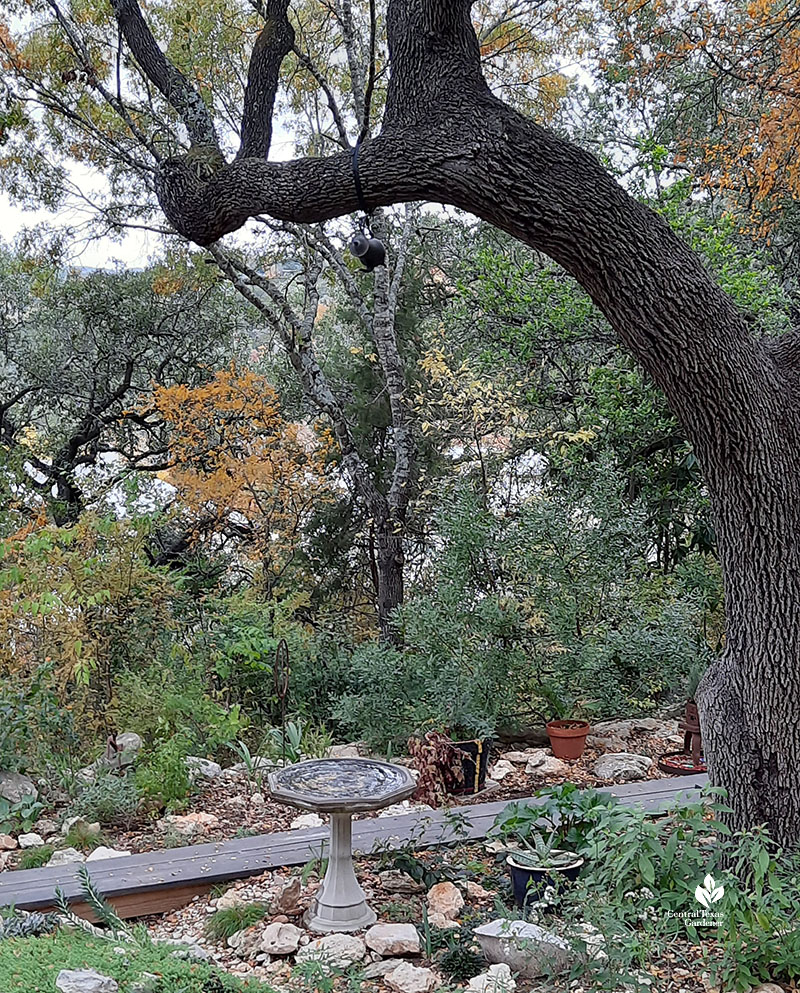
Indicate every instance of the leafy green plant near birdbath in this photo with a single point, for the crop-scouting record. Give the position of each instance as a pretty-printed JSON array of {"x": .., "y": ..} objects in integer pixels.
[{"x": 548, "y": 841}]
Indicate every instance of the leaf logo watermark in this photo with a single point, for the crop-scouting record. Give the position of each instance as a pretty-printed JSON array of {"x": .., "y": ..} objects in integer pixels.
[{"x": 709, "y": 893}]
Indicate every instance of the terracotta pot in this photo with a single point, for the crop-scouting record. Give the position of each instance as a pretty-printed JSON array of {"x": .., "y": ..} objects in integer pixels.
[{"x": 568, "y": 738}]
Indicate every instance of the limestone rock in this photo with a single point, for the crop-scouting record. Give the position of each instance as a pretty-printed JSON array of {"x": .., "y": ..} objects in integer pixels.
[
  {"x": 7, "y": 843},
  {"x": 307, "y": 821},
  {"x": 541, "y": 763},
  {"x": 287, "y": 899},
  {"x": 85, "y": 981},
  {"x": 407, "y": 978},
  {"x": 520, "y": 757},
  {"x": 624, "y": 729},
  {"x": 768, "y": 988},
  {"x": 189, "y": 825},
  {"x": 45, "y": 827},
  {"x": 605, "y": 743},
  {"x": 405, "y": 806},
  {"x": 445, "y": 899},
  {"x": 87, "y": 829},
  {"x": 594, "y": 941},
  {"x": 393, "y": 939},
  {"x": 258, "y": 800},
  {"x": 103, "y": 852},
  {"x": 501, "y": 769},
  {"x": 497, "y": 979},
  {"x": 333, "y": 951},
  {"x": 442, "y": 922},
  {"x": 200, "y": 768},
  {"x": 527, "y": 949},
  {"x": 246, "y": 943},
  {"x": 66, "y": 856},
  {"x": 477, "y": 892},
  {"x": 376, "y": 970},
  {"x": 185, "y": 948},
  {"x": 31, "y": 840},
  {"x": 129, "y": 745},
  {"x": 624, "y": 766},
  {"x": 396, "y": 881},
  {"x": 344, "y": 751},
  {"x": 129, "y": 741},
  {"x": 280, "y": 939},
  {"x": 229, "y": 900},
  {"x": 14, "y": 787}
]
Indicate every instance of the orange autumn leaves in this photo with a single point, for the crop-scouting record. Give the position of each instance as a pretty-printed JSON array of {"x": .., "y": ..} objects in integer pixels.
[
  {"x": 745, "y": 57},
  {"x": 241, "y": 468}
]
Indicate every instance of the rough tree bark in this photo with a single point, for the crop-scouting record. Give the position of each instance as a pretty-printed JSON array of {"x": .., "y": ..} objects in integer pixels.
[{"x": 446, "y": 138}]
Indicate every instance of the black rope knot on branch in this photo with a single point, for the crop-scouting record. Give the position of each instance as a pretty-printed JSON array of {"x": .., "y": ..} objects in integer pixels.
[{"x": 370, "y": 251}]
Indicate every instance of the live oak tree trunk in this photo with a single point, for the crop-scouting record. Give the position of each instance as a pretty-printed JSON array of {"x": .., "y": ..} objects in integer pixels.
[{"x": 446, "y": 138}]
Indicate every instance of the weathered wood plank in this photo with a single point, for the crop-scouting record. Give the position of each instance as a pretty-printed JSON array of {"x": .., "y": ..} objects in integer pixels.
[{"x": 154, "y": 881}]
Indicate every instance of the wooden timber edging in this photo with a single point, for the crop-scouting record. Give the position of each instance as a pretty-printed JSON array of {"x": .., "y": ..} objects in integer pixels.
[{"x": 154, "y": 882}]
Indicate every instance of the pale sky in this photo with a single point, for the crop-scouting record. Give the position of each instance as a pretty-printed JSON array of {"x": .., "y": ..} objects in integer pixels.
[{"x": 133, "y": 250}]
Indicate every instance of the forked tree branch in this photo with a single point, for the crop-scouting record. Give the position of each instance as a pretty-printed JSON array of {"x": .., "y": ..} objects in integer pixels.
[
  {"x": 169, "y": 80},
  {"x": 445, "y": 137}
]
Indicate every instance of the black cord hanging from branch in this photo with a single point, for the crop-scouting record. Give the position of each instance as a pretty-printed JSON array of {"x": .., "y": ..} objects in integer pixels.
[{"x": 370, "y": 251}]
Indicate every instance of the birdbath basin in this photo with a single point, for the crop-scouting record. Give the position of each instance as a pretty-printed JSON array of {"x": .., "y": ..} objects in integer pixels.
[{"x": 341, "y": 788}]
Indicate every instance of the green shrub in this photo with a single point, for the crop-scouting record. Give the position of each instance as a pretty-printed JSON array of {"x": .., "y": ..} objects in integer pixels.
[
  {"x": 35, "y": 858},
  {"x": 224, "y": 923},
  {"x": 34, "y": 726},
  {"x": 163, "y": 778},
  {"x": 638, "y": 890},
  {"x": 109, "y": 799},
  {"x": 171, "y": 698}
]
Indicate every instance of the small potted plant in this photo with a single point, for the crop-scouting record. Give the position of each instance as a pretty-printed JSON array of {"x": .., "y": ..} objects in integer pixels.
[
  {"x": 567, "y": 734},
  {"x": 541, "y": 863}
]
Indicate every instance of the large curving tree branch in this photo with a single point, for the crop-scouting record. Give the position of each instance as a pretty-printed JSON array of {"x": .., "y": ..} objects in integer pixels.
[
  {"x": 446, "y": 138},
  {"x": 169, "y": 80}
]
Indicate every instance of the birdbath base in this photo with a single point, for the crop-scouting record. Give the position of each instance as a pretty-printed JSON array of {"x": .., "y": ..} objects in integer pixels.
[
  {"x": 340, "y": 904},
  {"x": 341, "y": 787}
]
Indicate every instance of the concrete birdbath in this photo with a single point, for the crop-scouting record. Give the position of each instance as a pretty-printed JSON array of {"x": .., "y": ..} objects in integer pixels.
[{"x": 341, "y": 788}]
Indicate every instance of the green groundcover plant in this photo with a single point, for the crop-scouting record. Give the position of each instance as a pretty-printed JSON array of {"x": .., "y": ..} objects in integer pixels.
[{"x": 31, "y": 965}]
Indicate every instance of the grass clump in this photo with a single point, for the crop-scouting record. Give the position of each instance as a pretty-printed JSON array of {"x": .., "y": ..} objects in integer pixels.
[
  {"x": 82, "y": 837},
  {"x": 35, "y": 858},
  {"x": 225, "y": 923}
]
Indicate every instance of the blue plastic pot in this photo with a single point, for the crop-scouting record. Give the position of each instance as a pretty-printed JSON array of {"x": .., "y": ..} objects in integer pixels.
[{"x": 529, "y": 883}]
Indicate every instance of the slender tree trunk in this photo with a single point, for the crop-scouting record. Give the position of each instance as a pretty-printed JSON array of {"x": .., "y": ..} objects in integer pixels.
[{"x": 390, "y": 560}]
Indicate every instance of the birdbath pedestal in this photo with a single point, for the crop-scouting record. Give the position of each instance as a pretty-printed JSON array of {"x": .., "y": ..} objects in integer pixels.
[{"x": 341, "y": 788}]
